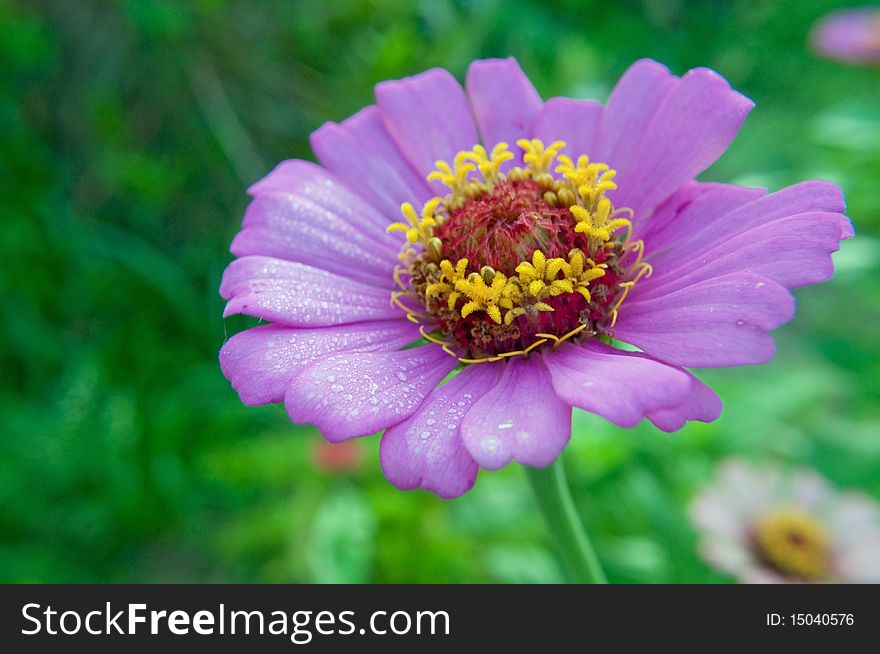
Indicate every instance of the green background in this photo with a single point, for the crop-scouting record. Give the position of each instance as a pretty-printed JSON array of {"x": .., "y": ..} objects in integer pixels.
[{"x": 128, "y": 134}]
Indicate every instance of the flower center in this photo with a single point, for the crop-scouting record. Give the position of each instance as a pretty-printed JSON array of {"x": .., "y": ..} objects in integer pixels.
[
  {"x": 794, "y": 542},
  {"x": 505, "y": 263}
]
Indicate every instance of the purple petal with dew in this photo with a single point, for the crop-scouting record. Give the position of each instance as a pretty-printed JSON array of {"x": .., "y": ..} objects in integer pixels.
[
  {"x": 300, "y": 296},
  {"x": 426, "y": 450},
  {"x": 620, "y": 386},
  {"x": 361, "y": 152},
  {"x": 504, "y": 102},
  {"x": 261, "y": 362},
  {"x": 296, "y": 229},
  {"x": 520, "y": 419},
  {"x": 360, "y": 393},
  {"x": 310, "y": 181},
  {"x": 428, "y": 117},
  {"x": 718, "y": 322}
]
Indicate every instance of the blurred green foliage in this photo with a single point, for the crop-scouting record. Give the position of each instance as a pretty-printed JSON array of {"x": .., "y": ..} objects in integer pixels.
[{"x": 128, "y": 133}]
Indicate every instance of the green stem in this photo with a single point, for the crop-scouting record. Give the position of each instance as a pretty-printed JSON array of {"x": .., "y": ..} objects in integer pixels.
[{"x": 554, "y": 498}]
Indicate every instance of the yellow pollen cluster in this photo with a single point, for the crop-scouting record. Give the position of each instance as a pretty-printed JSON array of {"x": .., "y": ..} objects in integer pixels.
[
  {"x": 580, "y": 187},
  {"x": 794, "y": 542}
]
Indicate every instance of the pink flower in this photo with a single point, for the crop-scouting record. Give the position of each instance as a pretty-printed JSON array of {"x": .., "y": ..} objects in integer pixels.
[
  {"x": 514, "y": 264},
  {"x": 765, "y": 526},
  {"x": 850, "y": 35}
]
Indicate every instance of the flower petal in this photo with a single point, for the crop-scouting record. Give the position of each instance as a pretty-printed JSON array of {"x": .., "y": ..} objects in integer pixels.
[
  {"x": 793, "y": 251},
  {"x": 701, "y": 403},
  {"x": 362, "y": 153},
  {"x": 260, "y": 362},
  {"x": 690, "y": 129},
  {"x": 300, "y": 296},
  {"x": 360, "y": 393},
  {"x": 693, "y": 235},
  {"x": 629, "y": 110},
  {"x": 428, "y": 117},
  {"x": 310, "y": 181},
  {"x": 504, "y": 101},
  {"x": 854, "y": 521},
  {"x": 693, "y": 207},
  {"x": 290, "y": 227},
  {"x": 574, "y": 121},
  {"x": 620, "y": 386},
  {"x": 719, "y": 322},
  {"x": 520, "y": 419},
  {"x": 426, "y": 450}
]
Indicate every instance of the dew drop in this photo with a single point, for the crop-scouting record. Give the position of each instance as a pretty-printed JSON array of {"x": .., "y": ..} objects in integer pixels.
[
  {"x": 401, "y": 375},
  {"x": 490, "y": 444},
  {"x": 507, "y": 424},
  {"x": 425, "y": 435}
]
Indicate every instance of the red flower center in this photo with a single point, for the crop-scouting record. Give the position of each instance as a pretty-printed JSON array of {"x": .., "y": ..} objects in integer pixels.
[{"x": 519, "y": 260}]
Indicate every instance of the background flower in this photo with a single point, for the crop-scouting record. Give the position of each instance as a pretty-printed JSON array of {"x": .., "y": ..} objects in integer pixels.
[
  {"x": 851, "y": 35},
  {"x": 763, "y": 524},
  {"x": 129, "y": 131}
]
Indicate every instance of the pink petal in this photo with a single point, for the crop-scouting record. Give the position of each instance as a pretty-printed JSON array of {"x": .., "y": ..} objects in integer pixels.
[
  {"x": 362, "y": 153},
  {"x": 360, "y": 393},
  {"x": 800, "y": 198},
  {"x": 793, "y": 251},
  {"x": 291, "y": 227},
  {"x": 504, "y": 102},
  {"x": 520, "y": 419},
  {"x": 692, "y": 208},
  {"x": 310, "y": 181},
  {"x": 620, "y": 386},
  {"x": 300, "y": 296},
  {"x": 701, "y": 403},
  {"x": 428, "y": 117},
  {"x": 714, "y": 516},
  {"x": 690, "y": 129},
  {"x": 260, "y": 362},
  {"x": 574, "y": 121},
  {"x": 629, "y": 110},
  {"x": 719, "y": 322},
  {"x": 854, "y": 521},
  {"x": 426, "y": 450}
]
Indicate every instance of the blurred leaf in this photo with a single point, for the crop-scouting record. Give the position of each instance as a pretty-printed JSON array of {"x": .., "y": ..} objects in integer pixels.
[{"x": 341, "y": 545}]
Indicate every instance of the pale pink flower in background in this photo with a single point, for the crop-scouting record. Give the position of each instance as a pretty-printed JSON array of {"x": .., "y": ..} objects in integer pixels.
[{"x": 763, "y": 524}]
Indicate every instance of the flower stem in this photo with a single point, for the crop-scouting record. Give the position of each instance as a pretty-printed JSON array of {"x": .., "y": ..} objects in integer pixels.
[{"x": 554, "y": 498}]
